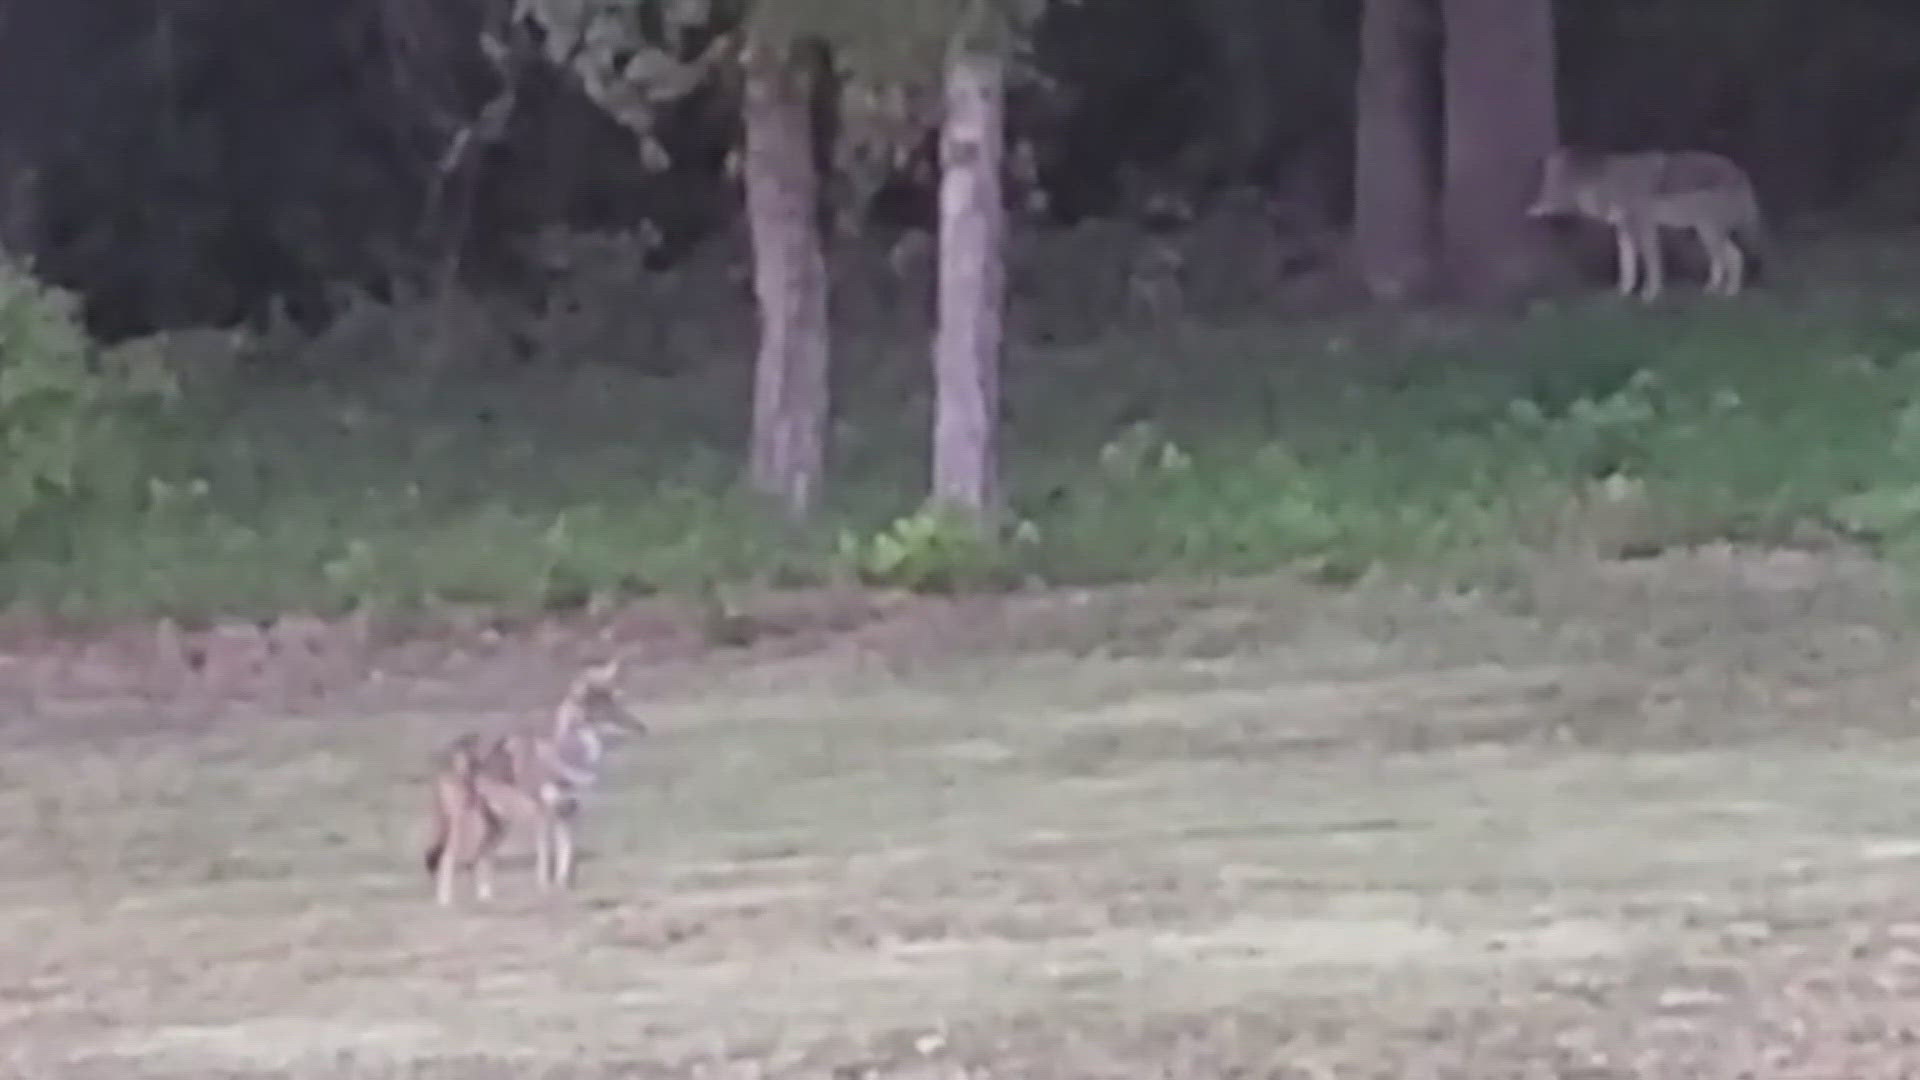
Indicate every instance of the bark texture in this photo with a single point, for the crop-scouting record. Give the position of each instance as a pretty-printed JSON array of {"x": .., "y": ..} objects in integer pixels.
[
  {"x": 1396, "y": 132},
  {"x": 972, "y": 289},
  {"x": 790, "y": 392},
  {"x": 1501, "y": 120}
]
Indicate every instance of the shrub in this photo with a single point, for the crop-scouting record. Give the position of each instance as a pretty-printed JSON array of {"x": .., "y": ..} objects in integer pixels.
[
  {"x": 69, "y": 412},
  {"x": 934, "y": 549}
]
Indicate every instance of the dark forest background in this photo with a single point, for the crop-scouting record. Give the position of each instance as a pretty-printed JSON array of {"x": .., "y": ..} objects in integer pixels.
[{"x": 194, "y": 161}]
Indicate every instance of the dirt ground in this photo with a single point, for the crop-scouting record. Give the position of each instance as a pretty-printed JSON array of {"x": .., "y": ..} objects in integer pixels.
[{"x": 1646, "y": 819}]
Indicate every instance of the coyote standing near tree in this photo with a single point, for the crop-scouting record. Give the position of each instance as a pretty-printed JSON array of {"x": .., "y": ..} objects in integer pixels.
[
  {"x": 530, "y": 779},
  {"x": 1640, "y": 193}
]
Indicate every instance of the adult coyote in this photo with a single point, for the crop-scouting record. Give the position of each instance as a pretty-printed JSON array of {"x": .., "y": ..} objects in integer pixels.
[
  {"x": 1640, "y": 193},
  {"x": 530, "y": 779}
]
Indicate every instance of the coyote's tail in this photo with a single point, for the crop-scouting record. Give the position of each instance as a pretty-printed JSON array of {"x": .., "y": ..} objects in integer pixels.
[{"x": 435, "y": 852}]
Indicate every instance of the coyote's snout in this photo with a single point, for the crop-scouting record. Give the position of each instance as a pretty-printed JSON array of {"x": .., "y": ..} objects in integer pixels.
[
  {"x": 525, "y": 779},
  {"x": 1638, "y": 194}
]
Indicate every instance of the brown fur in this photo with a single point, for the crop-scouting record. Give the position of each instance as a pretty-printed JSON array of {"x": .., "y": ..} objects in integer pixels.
[
  {"x": 466, "y": 828},
  {"x": 527, "y": 779}
]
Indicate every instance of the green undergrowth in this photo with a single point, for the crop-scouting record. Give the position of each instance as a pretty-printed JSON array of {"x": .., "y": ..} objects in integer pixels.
[{"x": 1334, "y": 447}]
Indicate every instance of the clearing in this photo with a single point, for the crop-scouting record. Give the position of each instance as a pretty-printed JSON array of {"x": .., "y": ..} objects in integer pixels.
[{"x": 1629, "y": 819}]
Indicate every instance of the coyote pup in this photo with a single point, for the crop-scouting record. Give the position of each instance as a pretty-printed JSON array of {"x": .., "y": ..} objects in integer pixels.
[
  {"x": 1639, "y": 193},
  {"x": 533, "y": 779}
]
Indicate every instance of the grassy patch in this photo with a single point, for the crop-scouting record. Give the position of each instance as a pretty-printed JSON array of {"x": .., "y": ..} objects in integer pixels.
[
  {"x": 1334, "y": 446},
  {"x": 1411, "y": 834}
]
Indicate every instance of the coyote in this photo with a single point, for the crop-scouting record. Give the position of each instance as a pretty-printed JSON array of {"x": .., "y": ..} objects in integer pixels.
[
  {"x": 1639, "y": 193},
  {"x": 466, "y": 827},
  {"x": 533, "y": 779}
]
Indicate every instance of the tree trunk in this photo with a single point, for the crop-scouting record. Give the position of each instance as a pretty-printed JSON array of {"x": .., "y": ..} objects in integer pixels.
[
  {"x": 19, "y": 209},
  {"x": 1501, "y": 120},
  {"x": 44, "y": 45},
  {"x": 789, "y": 281},
  {"x": 1245, "y": 39},
  {"x": 1396, "y": 130},
  {"x": 972, "y": 290}
]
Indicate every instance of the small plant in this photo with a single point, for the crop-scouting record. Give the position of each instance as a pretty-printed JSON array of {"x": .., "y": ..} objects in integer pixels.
[
  {"x": 1141, "y": 451},
  {"x": 935, "y": 549}
]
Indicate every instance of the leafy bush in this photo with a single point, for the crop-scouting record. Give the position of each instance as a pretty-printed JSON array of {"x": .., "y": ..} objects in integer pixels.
[{"x": 69, "y": 412}]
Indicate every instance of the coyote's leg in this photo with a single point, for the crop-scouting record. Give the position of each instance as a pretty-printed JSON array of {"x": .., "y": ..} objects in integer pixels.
[
  {"x": 1734, "y": 279},
  {"x": 1653, "y": 270},
  {"x": 543, "y": 850},
  {"x": 1716, "y": 272},
  {"x": 443, "y": 854},
  {"x": 563, "y": 853},
  {"x": 1721, "y": 260},
  {"x": 483, "y": 875},
  {"x": 443, "y": 880},
  {"x": 1624, "y": 242}
]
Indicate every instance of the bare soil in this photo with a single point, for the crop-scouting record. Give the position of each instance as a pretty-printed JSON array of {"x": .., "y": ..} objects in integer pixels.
[{"x": 1646, "y": 819}]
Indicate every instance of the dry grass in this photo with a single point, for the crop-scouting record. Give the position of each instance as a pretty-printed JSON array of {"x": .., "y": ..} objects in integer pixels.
[{"x": 1646, "y": 820}]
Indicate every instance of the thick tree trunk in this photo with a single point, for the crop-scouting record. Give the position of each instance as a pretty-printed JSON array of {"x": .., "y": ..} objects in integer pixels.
[
  {"x": 1501, "y": 121},
  {"x": 972, "y": 290},
  {"x": 1396, "y": 131},
  {"x": 790, "y": 402}
]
